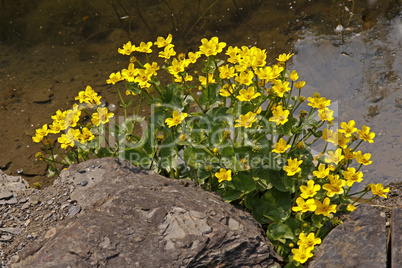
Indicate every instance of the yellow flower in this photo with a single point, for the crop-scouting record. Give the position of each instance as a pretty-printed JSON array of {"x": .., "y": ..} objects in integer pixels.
[
  {"x": 40, "y": 133},
  {"x": 318, "y": 102},
  {"x": 204, "y": 81},
  {"x": 114, "y": 78},
  {"x": 101, "y": 117},
  {"x": 280, "y": 116},
  {"x": 304, "y": 206},
  {"x": 324, "y": 208},
  {"x": 284, "y": 57},
  {"x": 224, "y": 175},
  {"x": 193, "y": 56},
  {"x": 211, "y": 47},
  {"x": 348, "y": 128},
  {"x": 226, "y": 90},
  {"x": 322, "y": 172},
  {"x": 335, "y": 157},
  {"x": 246, "y": 120},
  {"x": 325, "y": 114},
  {"x": 343, "y": 142},
  {"x": 177, "y": 67},
  {"x": 366, "y": 135},
  {"x": 176, "y": 119},
  {"x": 144, "y": 47},
  {"x": 226, "y": 72},
  {"x": 301, "y": 254},
  {"x": 308, "y": 241},
  {"x": 349, "y": 154},
  {"x": 143, "y": 77},
  {"x": 181, "y": 79},
  {"x": 310, "y": 190},
  {"x": 352, "y": 176},
  {"x": 280, "y": 88},
  {"x": 330, "y": 136},
  {"x": 293, "y": 166},
  {"x": 363, "y": 159},
  {"x": 233, "y": 53},
  {"x": 89, "y": 96},
  {"x": 130, "y": 73},
  {"x": 300, "y": 84},
  {"x": 248, "y": 94},
  {"x": 59, "y": 116},
  {"x": 334, "y": 186},
  {"x": 245, "y": 77},
  {"x": 215, "y": 151},
  {"x": 294, "y": 76},
  {"x": 162, "y": 42},
  {"x": 55, "y": 127},
  {"x": 127, "y": 49},
  {"x": 86, "y": 135},
  {"x": 350, "y": 207},
  {"x": 378, "y": 189},
  {"x": 67, "y": 139},
  {"x": 280, "y": 146},
  {"x": 167, "y": 52}
]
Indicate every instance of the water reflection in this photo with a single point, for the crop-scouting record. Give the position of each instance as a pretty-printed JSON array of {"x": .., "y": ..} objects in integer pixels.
[{"x": 50, "y": 50}]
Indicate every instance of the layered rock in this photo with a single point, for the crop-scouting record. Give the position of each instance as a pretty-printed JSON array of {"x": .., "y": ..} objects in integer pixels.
[{"x": 125, "y": 217}]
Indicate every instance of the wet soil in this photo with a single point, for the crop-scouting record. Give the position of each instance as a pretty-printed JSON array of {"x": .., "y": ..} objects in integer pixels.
[{"x": 51, "y": 50}]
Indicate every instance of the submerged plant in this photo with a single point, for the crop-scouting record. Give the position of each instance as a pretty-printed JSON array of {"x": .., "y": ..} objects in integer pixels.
[{"x": 234, "y": 126}]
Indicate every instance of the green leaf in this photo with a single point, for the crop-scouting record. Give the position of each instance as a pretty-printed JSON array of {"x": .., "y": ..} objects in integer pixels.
[
  {"x": 244, "y": 182},
  {"x": 280, "y": 232},
  {"x": 279, "y": 199},
  {"x": 168, "y": 154},
  {"x": 318, "y": 220},
  {"x": 276, "y": 178},
  {"x": 136, "y": 157},
  {"x": 194, "y": 157},
  {"x": 231, "y": 195},
  {"x": 133, "y": 88}
]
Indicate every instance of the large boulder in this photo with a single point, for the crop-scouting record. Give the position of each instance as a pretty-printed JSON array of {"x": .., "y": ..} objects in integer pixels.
[
  {"x": 361, "y": 241},
  {"x": 126, "y": 217}
]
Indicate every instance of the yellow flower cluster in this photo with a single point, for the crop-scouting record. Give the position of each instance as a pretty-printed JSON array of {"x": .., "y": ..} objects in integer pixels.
[
  {"x": 67, "y": 121},
  {"x": 306, "y": 245}
]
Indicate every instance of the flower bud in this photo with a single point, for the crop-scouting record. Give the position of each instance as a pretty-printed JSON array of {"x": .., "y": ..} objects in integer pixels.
[
  {"x": 316, "y": 95},
  {"x": 208, "y": 168},
  {"x": 227, "y": 133},
  {"x": 183, "y": 137},
  {"x": 301, "y": 145},
  {"x": 303, "y": 113},
  {"x": 302, "y": 99}
]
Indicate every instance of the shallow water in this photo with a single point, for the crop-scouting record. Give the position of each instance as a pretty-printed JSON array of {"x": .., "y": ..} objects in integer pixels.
[{"x": 51, "y": 50}]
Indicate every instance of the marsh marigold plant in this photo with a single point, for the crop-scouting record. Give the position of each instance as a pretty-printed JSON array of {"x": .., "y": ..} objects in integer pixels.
[{"x": 234, "y": 124}]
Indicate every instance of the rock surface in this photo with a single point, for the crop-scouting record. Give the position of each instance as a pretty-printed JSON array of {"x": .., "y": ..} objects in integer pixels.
[
  {"x": 125, "y": 217},
  {"x": 361, "y": 241}
]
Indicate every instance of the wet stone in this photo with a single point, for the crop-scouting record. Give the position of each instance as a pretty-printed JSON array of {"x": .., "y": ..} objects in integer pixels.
[{"x": 361, "y": 241}]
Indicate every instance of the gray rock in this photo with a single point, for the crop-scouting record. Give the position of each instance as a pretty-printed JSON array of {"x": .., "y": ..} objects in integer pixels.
[
  {"x": 12, "y": 183},
  {"x": 4, "y": 194},
  {"x": 396, "y": 238},
  {"x": 134, "y": 218},
  {"x": 74, "y": 210},
  {"x": 6, "y": 238},
  {"x": 361, "y": 241},
  {"x": 11, "y": 230}
]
